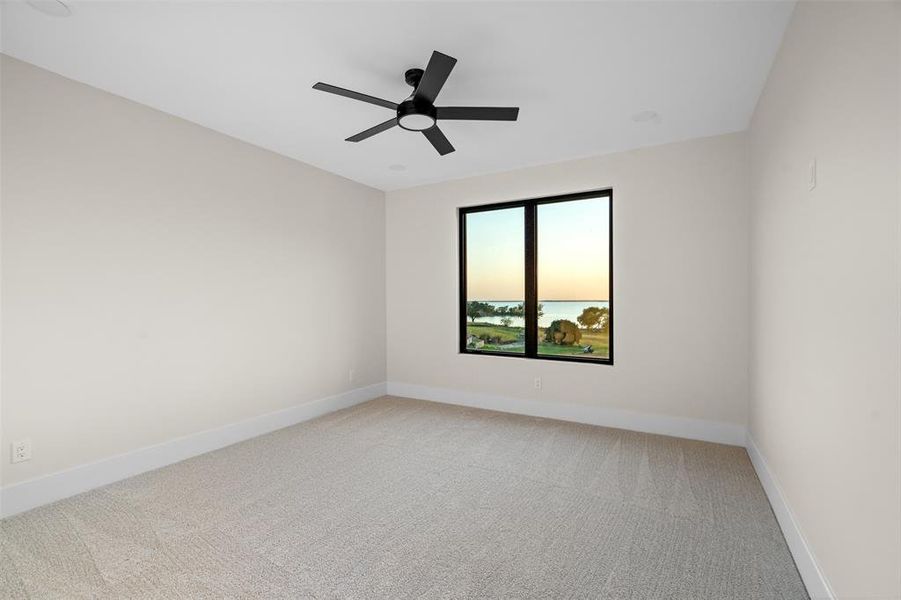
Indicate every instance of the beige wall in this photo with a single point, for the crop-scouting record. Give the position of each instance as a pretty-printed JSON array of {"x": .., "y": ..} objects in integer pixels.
[
  {"x": 160, "y": 279},
  {"x": 681, "y": 283},
  {"x": 826, "y": 313}
]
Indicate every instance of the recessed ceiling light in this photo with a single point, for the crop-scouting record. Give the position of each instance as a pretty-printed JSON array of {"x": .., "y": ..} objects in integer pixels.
[
  {"x": 646, "y": 116},
  {"x": 54, "y": 8},
  {"x": 398, "y": 168}
]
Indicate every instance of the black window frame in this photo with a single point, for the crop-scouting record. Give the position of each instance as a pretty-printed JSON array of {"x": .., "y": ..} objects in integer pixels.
[{"x": 530, "y": 210}]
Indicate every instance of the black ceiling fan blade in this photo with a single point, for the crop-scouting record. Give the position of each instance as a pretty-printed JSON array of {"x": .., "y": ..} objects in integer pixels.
[
  {"x": 436, "y": 73},
  {"x": 333, "y": 89},
  {"x": 478, "y": 113},
  {"x": 436, "y": 137},
  {"x": 373, "y": 130}
]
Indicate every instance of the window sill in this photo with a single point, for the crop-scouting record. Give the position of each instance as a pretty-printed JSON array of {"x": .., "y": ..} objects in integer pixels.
[{"x": 570, "y": 359}]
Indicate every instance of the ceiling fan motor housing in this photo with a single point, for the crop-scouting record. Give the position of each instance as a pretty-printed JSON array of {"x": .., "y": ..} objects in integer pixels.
[{"x": 416, "y": 116}]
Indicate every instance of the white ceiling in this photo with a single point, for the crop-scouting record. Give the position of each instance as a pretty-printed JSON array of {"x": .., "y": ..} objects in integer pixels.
[{"x": 579, "y": 71}]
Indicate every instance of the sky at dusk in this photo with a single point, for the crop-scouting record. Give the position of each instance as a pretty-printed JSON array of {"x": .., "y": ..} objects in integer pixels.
[{"x": 573, "y": 252}]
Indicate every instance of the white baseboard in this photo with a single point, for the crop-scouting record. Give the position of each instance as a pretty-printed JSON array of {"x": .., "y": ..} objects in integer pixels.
[
  {"x": 693, "y": 429},
  {"x": 817, "y": 585},
  {"x": 56, "y": 486}
]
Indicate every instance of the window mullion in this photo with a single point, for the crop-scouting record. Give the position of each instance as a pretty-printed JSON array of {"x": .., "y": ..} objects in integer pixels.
[{"x": 531, "y": 280}]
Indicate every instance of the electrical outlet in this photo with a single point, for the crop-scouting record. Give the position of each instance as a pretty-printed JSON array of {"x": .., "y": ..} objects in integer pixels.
[
  {"x": 350, "y": 375},
  {"x": 812, "y": 175},
  {"x": 538, "y": 383},
  {"x": 21, "y": 451}
]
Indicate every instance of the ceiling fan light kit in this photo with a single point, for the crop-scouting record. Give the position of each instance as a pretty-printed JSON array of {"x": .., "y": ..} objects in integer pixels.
[{"x": 418, "y": 112}]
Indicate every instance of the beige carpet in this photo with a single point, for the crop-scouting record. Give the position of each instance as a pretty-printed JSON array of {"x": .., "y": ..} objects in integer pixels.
[{"x": 405, "y": 499}]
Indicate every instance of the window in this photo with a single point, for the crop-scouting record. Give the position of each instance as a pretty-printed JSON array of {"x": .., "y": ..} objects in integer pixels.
[{"x": 536, "y": 278}]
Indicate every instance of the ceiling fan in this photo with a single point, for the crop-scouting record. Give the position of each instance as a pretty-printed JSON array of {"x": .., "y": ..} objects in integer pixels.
[{"x": 418, "y": 112}]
